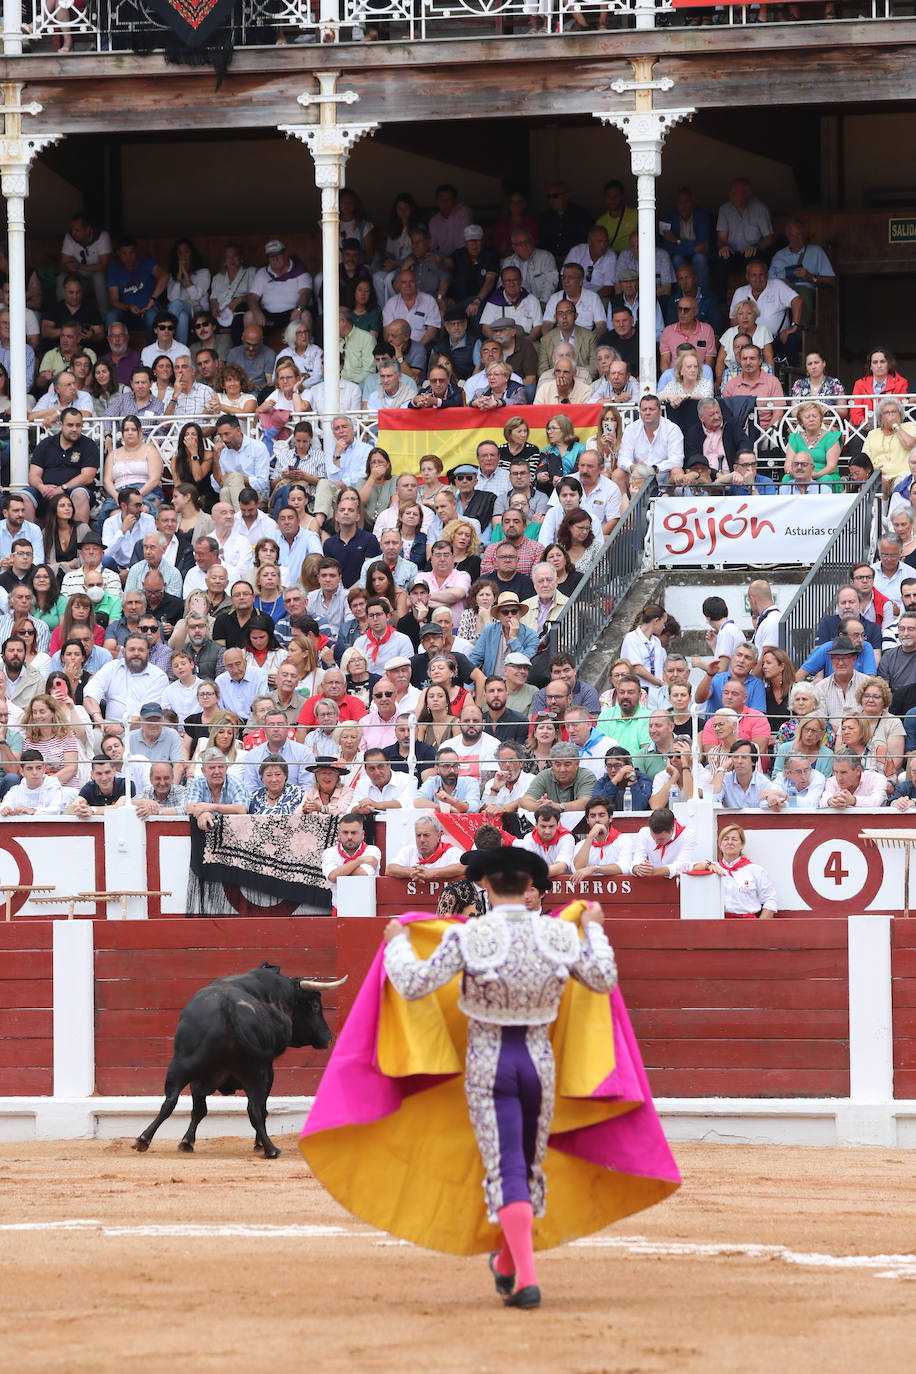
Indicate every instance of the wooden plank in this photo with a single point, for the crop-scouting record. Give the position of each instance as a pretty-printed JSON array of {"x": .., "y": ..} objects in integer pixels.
[
  {"x": 903, "y": 962},
  {"x": 33, "y": 1053},
  {"x": 203, "y": 964},
  {"x": 25, "y": 992},
  {"x": 710, "y": 993},
  {"x": 36, "y": 935},
  {"x": 807, "y": 934},
  {"x": 25, "y": 1023},
  {"x": 124, "y": 1081},
  {"x": 749, "y": 1083},
  {"x": 904, "y": 1083},
  {"x": 26, "y": 1082},
  {"x": 689, "y": 964},
  {"x": 904, "y": 1023},
  {"x": 674, "y": 1053},
  {"x": 687, "y": 1024},
  {"x": 242, "y": 934},
  {"x": 903, "y": 992},
  {"x": 903, "y": 933},
  {"x": 31, "y": 964},
  {"x": 904, "y": 1054}
]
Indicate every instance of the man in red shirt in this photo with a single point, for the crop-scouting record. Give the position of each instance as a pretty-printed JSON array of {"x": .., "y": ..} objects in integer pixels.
[
  {"x": 688, "y": 330},
  {"x": 753, "y": 381},
  {"x": 334, "y": 686},
  {"x": 753, "y": 724}
]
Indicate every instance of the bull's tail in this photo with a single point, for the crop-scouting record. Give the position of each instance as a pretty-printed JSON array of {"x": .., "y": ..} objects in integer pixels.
[{"x": 260, "y": 1029}]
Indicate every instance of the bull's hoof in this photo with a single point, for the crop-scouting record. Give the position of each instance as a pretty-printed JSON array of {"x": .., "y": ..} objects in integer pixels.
[
  {"x": 186, "y": 1146},
  {"x": 140, "y": 1144},
  {"x": 272, "y": 1153},
  {"x": 258, "y": 1145}
]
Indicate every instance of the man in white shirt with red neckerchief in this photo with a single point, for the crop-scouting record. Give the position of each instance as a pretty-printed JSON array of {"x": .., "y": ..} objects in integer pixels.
[
  {"x": 604, "y": 852},
  {"x": 433, "y": 856},
  {"x": 551, "y": 840},
  {"x": 350, "y": 857},
  {"x": 664, "y": 847}
]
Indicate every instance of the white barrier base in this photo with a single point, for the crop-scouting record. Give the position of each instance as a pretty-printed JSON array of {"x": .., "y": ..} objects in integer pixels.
[{"x": 717, "y": 1120}]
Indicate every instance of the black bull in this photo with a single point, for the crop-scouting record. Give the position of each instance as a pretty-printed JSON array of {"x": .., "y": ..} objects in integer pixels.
[{"x": 228, "y": 1037}]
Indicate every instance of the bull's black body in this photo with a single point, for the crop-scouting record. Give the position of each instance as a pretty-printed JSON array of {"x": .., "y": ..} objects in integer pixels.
[{"x": 227, "y": 1039}]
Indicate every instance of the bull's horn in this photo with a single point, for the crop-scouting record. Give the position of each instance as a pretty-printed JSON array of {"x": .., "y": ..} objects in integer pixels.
[{"x": 319, "y": 985}]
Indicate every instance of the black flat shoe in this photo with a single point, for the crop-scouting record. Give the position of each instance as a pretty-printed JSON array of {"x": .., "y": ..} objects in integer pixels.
[
  {"x": 530, "y": 1296},
  {"x": 504, "y": 1282}
]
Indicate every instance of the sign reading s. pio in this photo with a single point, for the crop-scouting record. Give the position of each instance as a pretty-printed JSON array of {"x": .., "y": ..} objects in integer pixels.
[{"x": 752, "y": 530}]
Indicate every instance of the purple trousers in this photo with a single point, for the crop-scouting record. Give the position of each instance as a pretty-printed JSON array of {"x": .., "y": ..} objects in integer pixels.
[{"x": 509, "y": 1084}]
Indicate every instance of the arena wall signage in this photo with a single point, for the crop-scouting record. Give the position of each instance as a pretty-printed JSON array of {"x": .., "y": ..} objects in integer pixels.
[{"x": 750, "y": 531}]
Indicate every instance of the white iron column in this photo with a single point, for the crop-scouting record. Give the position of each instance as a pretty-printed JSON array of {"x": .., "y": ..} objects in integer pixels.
[
  {"x": 12, "y": 28},
  {"x": 645, "y": 129},
  {"x": 17, "y": 153},
  {"x": 329, "y": 144}
]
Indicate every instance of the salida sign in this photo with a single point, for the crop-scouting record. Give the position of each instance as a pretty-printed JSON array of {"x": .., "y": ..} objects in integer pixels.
[{"x": 750, "y": 531}]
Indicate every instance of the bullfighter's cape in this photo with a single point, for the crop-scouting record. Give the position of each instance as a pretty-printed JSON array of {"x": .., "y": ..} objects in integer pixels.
[{"x": 389, "y": 1135}]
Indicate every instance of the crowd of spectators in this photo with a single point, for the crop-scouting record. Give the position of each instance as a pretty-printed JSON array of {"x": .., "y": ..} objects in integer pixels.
[{"x": 249, "y": 611}]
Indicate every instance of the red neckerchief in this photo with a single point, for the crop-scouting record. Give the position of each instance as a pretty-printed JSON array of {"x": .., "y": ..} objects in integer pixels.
[
  {"x": 441, "y": 848},
  {"x": 348, "y": 858},
  {"x": 612, "y": 835},
  {"x": 739, "y": 863},
  {"x": 561, "y": 831},
  {"x": 678, "y": 830},
  {"x": 376, "y": 644}
]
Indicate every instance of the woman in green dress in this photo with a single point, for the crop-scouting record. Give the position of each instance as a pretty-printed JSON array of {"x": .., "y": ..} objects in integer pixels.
[{"x": 821, "y": 443}]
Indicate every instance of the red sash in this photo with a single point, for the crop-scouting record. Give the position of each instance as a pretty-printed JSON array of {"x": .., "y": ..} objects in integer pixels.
[
  {"x": 612, "y": 835},
  {"x": 678, "y": 830},
  {"x": 739, "y": 863},
  {"x": 376, "y": 644},
  {"x": 441, "y": 848},
  {"x": 561, "y": 831},
  {"x": 348, "y": 858}
]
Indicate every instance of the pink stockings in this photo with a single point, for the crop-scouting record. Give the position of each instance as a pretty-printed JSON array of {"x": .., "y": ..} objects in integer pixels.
[{"x": 517, "y": 1253}]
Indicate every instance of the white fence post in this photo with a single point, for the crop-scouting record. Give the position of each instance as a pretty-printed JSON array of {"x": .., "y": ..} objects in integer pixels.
[
  {"x": 869, "y": 1118},
  {"x": 356, "y": 897},
  {"x": 74, "y": 1008}
]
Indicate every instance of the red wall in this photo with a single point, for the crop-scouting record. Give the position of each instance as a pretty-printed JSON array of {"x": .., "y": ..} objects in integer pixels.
[
  {"x": 26, "y": 1032},
  {"x": 903, "y": 992},
  {"x": 145, "y": 972}
]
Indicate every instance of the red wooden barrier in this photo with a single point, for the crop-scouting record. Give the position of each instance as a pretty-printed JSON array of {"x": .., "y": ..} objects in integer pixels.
[
  {"x": 903, "y": 992},
  {"x": 146, "y": 971},
  {"x": 26, "y": 1030},
  {"x": 738, "y": 1009}
]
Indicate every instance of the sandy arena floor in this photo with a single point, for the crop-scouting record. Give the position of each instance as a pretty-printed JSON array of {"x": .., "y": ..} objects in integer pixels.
[{"x": 219, "y": 1261}]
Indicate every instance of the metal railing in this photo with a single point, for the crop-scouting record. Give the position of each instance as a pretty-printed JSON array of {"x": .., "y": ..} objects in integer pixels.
[
  {"x": 853, "y": 540},
  {"x": 118, "y": 25},
  {"x": 591, "y": 606}
]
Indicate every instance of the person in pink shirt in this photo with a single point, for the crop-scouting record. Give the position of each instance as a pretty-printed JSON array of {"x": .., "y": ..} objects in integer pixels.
[
  {"x": 447, "y": 586},
  {"x": 753, "y": 381},
  {"x": 851, "y": 785},
  {"x": 753, "y": 724},
  {"x": 690, "y": 330}
]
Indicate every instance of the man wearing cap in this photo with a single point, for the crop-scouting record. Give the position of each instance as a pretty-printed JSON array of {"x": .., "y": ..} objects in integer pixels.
[
  {"x": 521, "y": 694},
  {"x": 463, "y": 346},
  {"x": 837, "y": 693},
  {"x": 474, "y": 271},
  {"x": 472, "y": 504},
  {"x": 91, "y": 551},
  {"x": 518, "y": 352},
  {"x": 280, "y": 291},
  {"x": 157, "y": 741},
  {"x": 505, "y": 634},
  {"x": 567, "y": 330},
  {"x": 566, "y": 782},
  {"x": 512, "y": 301},
  {"x": 431, "y": 856}
]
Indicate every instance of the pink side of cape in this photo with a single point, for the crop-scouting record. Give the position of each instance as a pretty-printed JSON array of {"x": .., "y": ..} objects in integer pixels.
[{"x": 353, "y": 1089}]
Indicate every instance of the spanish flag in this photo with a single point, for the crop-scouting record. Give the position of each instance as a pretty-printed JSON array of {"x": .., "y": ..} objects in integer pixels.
[{"x": 453, "y": 435}]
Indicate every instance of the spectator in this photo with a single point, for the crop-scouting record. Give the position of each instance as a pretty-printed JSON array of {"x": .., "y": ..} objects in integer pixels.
[
  {"x": 350, "y": 857},
  {"x": 503, "y": 722},
  {"x": 752, "y": 724},
  {"x": 664, "y": 848},
  {"x": 812, "y": 740},
  {"x": 378, "y": 787},
  {"x": 837, "y": 693},
  {"x": 891, "y": 442},
  {"x": 156, "y": 741},
  {"x": 848, "y": 608},
  {"x": 104, "y": 789},
  {"x": 738, "y": 783},
  {"x": 446, "y": 790},
  {"x": 398, "y": 753},
  {"x": 551, "y": 841},
  {"x": 604, "y": 852},
  {"x": 66, "y": 461},
  {"x": 898, "y": 666},
  {"x": 798, "y": 785},
  {"x": 163, "y": 796},
  {"x": 850, "y": 785},
  {"x": 431, "y": 856},
  {"x": 642, "y": 648},
  {"x": 239, "y": 684},
  {"x": 273, "y": 793},
  {"x": 620, "y": 778},
  {"x": 747, "y": 890},
  {"x": 280, "y": 292},
  {"x": 505, "y": 788},
  {"x": 213, "y": 791},
  {"x": 563, "y": 669},
  {"x": 521, "y": 692},
  {"x": 881, "y": 379},
  {"x": 136, "y": 288},
  {"x": 37, "y": 794},
  {"x": 903, "y": 797},
  {"x": 655, "y": 441},
  {"x": 626, "y": 721},
  {"x": 565, "y": 783}
]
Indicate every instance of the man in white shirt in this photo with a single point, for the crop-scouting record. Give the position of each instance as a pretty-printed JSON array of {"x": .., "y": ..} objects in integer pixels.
[
  {"x": 723, "y": 636},
  {"x": 281, "y": 291},
  {"x": 405, "y": 491},
  {"x": 91, "y": 551},
  {"x": 346, "y": 465},
  {"x": 590, "y": 310},
  {"x": 600, "y": 496},
  {"x": 419, "y": 310},
  {"x": 154, "y": 560},
  {"x": 165, "y": 345},
  {"x": 512, "y": 301},
  {"x": 477, "y": 751},
  {"x": 614, "y": 382},
  {"x": 432, "y": 856},
  {"x": 655, "y": 441},
  {"x": 664, "y": 847},
  {"x": 508, "y": 784},
  {"x": 235, "y": 552},
  {"x": 379, "y": 788},
  {"x": 124, "y": 528},
  {"x": 537, "y": 266},
  {"x": 604, "y": 851},
  {"x": 551, "y": 841},
  {"x": 851, "y": 785},
  {"x": 295, "y": 542},
  {"x": 36, "y": 794},
  {"x": 780, "y": 307},
  {"x": 350, "y": 857},
  {"x": 125, "y": 684},
  {"x": 250, "y": 522},
  {"x": 15, "y": 526},
  {"x": 597, "y": 260},
  {"x": 889, "y": 572},
  {"x": 807, "y": 781},
  {"x": 238, "y": 461},
  {"x": 238, "y": 684},
  {"x": 381, "y": 641},
  {"x": 591, "y": 743},
  {"x": 766, "y": 615}
]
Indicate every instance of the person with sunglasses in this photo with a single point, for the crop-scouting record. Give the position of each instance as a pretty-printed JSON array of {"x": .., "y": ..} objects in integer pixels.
[{"x": 165, "y": 343}]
